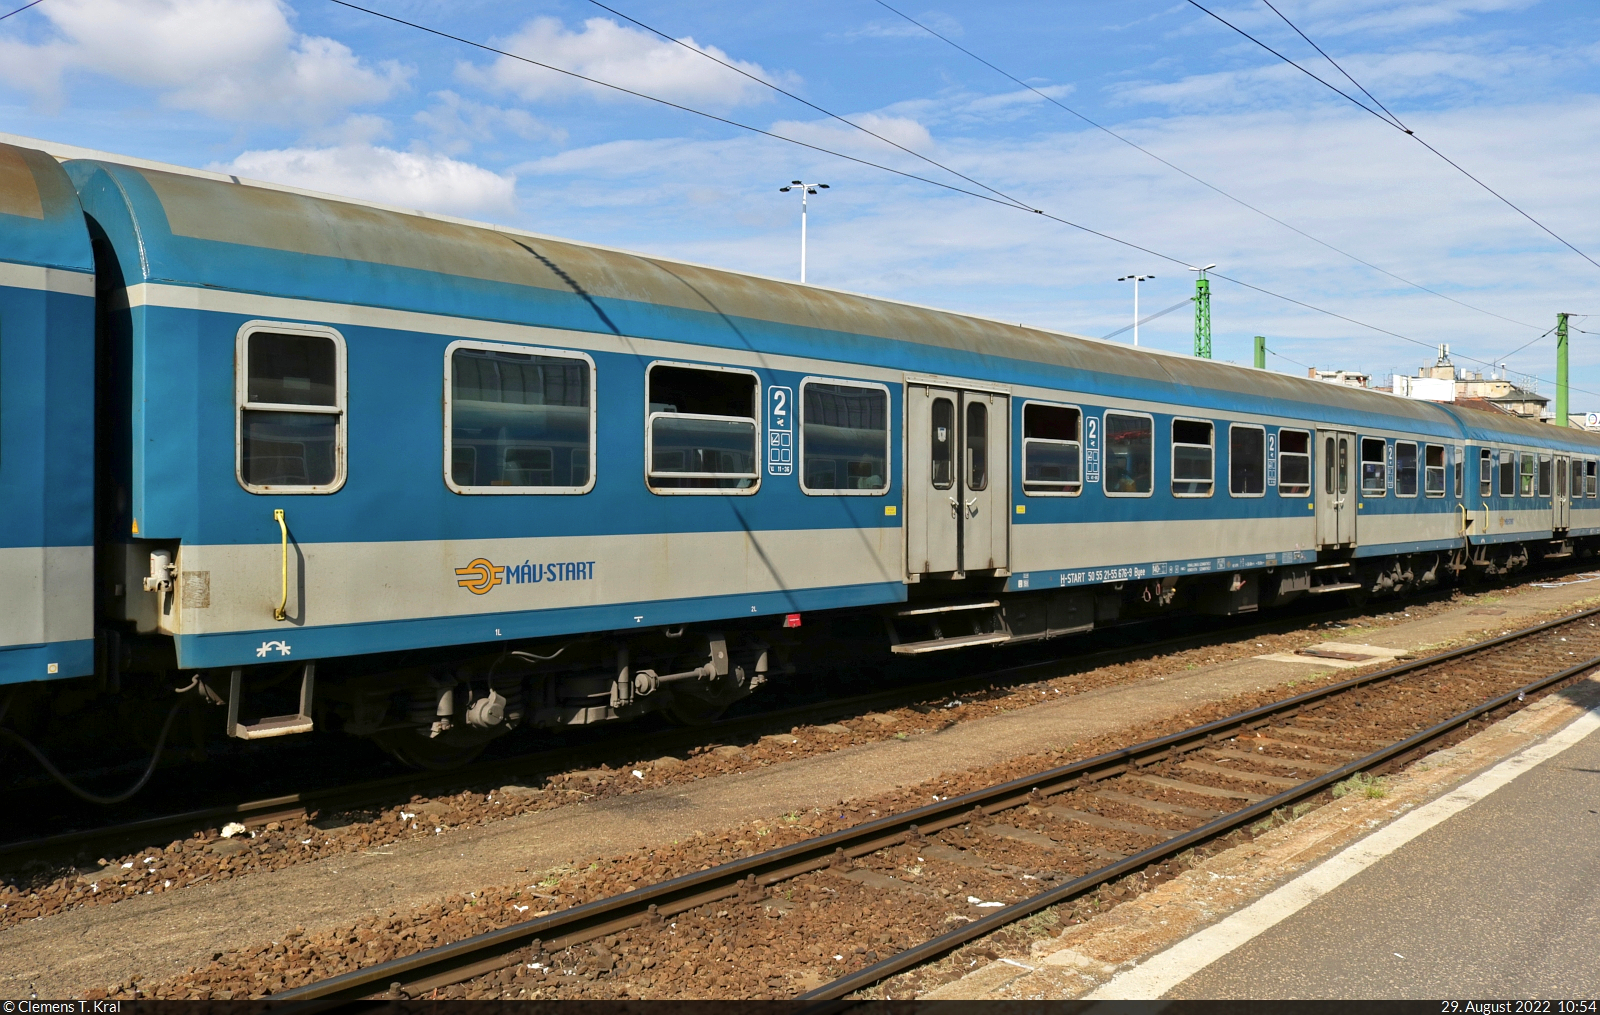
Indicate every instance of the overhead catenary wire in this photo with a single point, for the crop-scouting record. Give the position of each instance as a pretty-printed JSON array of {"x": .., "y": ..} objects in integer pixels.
[
  {"x": 879, "y": 166},
  {"x": 1397, "y": 126},
  {"x": 807, "y": 102},
  {"x": 19, "y": 10},
  {"x": 1146, "y": 320},
  {"x": 1206, "y": 184},
  {"x": 1392, "y": 118}
]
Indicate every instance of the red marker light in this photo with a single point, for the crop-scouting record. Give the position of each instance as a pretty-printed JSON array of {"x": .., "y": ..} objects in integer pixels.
[{"x": 791, "y": 620}]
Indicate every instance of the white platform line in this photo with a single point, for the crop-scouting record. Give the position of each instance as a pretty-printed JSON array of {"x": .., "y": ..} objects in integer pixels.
[{"x": 1171, "y": 967}]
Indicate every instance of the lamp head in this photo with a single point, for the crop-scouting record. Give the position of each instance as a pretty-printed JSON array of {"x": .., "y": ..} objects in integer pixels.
[{"x": 783, "y": 190}]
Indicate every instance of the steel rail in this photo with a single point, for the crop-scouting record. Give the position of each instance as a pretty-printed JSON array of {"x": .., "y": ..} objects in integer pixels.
[
  {"x": 482, "y": 953},
  {"x": 293, "y": 805}
]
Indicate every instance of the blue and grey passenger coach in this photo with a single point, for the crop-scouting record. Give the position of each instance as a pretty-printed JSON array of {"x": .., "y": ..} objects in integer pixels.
[{"x": 445, "y": 479}]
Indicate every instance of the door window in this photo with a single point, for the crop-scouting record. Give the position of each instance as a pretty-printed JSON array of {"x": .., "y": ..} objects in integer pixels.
[
  {"x": 1344, "y": 466},
  {"x": 942, "y": 445},
  {"x": 977, "y": 446}
]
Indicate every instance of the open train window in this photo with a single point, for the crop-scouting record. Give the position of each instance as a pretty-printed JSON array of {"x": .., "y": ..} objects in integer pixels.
[
  {"x": 1485, "y": 472},
  {"x": 1405, "y": 469},
  {"x": 1294, "y": 463},
  {"x": 1247, "y": 461},
  {"x": 518, "y": 420},
  {"x": 700, "y": 429},
  {"x": 1192, "y": 458},
  {"x": 1577, "y": 479},
  {"x": 1590, "y": 477},
  {"x": 1433, "y": 480},
  {"x": 1530, "y": 466},
  {"x": 1374, "y": 477},
  {"x": 1130, "y": 455},
  {"x": 1508, "y": 473},
  {"x": 1544, "y": 475},
  {"x": 1052, "y": 450},
  {"x": 844, "y": 438},
  {"x": 1458, "y": 466},
  {"x": 290, "y": 405}
]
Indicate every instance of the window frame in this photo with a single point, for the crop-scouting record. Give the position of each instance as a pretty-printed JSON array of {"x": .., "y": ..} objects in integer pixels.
[
  {"x": 1416, "y": 468},
  {"x": 1544, "y": 485},
  {"x": 1362, "y": 461},
  {"x": 1531, "y": 475},
  {"x": 1172, "y": 468},
  {"x": 1592, "y": 489},
  {"x": 1309, "y": 455},
  {"x": 798, "y": 414},
  {"x": 1486, "y": 466},
  {"x": 242, "y": 404},
  {"x": 1023, "y": 472},
  {"x": 1443, "y": 467},
  {"x": 521, "y": 350},
  {"x": 649, "y": 434},
  {"x": 1245, "y": 426},
  {"x": 1503, "y": 458},
  {"x": 1105, "y": 453}
]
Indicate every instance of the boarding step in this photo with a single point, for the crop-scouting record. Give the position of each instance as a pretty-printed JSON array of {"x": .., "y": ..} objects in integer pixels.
[
  {"x": 1340, "y": 587},
  {"x": 917, "y": 648},
  {"x": 924, "y": 611},
  {"x": 939, "y": 627},
  {"x": 1330, "y": 567},
  {"x": 272, "y": 726}
]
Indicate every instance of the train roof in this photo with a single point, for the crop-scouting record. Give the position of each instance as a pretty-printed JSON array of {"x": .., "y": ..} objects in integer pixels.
[
  {"x": 439, "y": 256},
  {"x": 40, "y": 221}
]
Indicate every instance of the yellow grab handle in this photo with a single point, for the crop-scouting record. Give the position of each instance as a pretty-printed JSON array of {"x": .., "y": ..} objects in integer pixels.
[{"x": 283, "y": 604}]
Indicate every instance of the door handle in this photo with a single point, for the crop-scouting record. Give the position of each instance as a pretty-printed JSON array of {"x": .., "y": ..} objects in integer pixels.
[
  {"x": 972, "y": 510},
  {"x": 955, "y": 508}
]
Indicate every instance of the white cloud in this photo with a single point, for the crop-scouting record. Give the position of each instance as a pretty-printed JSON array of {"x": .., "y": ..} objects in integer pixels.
[
  {"x": 457, "y": 123},
  {"x": 372, "y": 173},
  {"x": 900, "y": 28},
  {"x": 233, "y": 59},
  {"x": 622, "y": 56}
]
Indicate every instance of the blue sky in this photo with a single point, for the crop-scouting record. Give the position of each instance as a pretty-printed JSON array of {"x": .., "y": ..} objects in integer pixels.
[{"x": 321, "y": 96}]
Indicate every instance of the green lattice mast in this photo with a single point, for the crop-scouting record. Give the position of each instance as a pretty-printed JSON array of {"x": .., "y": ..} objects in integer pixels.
[{"x": 1202, "y": 313}]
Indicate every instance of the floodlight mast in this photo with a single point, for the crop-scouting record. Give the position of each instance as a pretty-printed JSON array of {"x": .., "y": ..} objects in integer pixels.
[
  {"x": 1135, "y": 279},
  {"x": 806, "y": 189}
]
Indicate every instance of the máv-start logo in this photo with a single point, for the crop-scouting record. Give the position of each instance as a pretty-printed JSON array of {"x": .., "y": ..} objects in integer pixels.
[{"x": 482, "y": 574}]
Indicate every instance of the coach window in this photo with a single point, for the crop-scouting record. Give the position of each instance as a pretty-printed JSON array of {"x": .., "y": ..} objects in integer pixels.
[
  {"x": 1191, "y": 458},
  {"x": 290, "y": 390},
  {"x": 1405, "y": 469},
  {"x": 1508, "y": 473},
  {"x": 518, "y": 420},
  {"x": 1529, "y": 465},
  {"x": 1544, "y": 475},
  {"x": 1374, "y": 480},
  {"x": 1052, "y": 451},
  {"x": 844, "y": 438},
  {"x": 1294, "y": 463},
  {"x": 1130, "y": 455},
  {"x": 1433, "y": 480},
  {"x": 1485, "y": 472},
  {"x": 1247, "y": 461},
  {"x": 1577, "y": 479},
  {"x": 700, "y": 429},
  {"x": 1458, "y": 466},
  {"x": 1591, "y": 478}
]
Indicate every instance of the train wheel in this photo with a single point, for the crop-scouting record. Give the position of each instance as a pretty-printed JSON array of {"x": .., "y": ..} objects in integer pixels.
[
  {"x": 439, "y": 753},
  {"x": 687, "y": 710}
]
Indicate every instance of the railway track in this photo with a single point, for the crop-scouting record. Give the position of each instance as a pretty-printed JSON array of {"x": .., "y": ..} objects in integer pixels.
[
  {"x": 863, "y": 901},
  {"x": 289, "y": 806}
]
